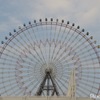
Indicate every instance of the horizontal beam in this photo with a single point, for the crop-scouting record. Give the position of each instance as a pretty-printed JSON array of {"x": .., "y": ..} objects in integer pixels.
[{"x": 42, "y": 98}]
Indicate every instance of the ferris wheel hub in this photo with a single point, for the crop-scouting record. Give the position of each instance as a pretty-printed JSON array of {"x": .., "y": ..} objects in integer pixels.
[{"x": 48, "y": 70}]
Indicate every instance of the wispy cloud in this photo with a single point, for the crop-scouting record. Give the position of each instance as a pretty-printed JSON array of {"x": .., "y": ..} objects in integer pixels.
[{"x": 83, "y": 12}]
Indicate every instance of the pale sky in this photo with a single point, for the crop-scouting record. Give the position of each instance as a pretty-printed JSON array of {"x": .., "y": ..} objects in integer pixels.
[
  {"x": 14, "y": 13},
  {"x": 85, "y": 13}
]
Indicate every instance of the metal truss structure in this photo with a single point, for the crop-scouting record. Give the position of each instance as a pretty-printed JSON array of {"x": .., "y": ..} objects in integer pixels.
[
  {"x": 48, "y": 58},
  {"x": 50, "y": 89}
]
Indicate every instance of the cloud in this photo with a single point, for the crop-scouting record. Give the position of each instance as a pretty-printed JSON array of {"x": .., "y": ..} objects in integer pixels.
[{"x": 84, "y": 13}]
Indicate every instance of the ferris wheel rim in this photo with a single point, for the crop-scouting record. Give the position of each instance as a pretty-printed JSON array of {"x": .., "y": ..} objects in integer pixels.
[
  {"x": 21, "y": 30},
  {"x": 36, "y": 24}
]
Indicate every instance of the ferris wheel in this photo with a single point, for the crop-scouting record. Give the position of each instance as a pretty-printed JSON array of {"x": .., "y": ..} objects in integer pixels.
[{"x": 38, "y": 58}]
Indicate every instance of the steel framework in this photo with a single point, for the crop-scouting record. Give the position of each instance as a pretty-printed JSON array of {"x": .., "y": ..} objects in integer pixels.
[{"x": 50, "y": 89}]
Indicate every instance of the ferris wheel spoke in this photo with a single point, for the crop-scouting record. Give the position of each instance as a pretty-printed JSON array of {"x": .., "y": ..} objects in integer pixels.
[
  {"x": 3, "y": 68},
  {"x": 6, "y": 77},
  {"x": 90, "y": 55},
  {"x": 11, "y": 89},
  {"x": 88, "y": 76},
  {"x": 53, "y": 52},
  {"x": 41, "y": 60},
  {"x": 67, "y": 65},
  {"x": 13, "y": 53},
  {"x": 42, "y": 55},
  {"x": 14, "y": 61},
  {"x": 7, "y": 55},
  {"x": 2, "y": 93},
  {"x": 60, "y": 87},
  {"x": 22, "y": 45},
  {"x": 54, "y": 39},
  {"x": 76, "y": 37},
  {"x": 28, "y": 40},
  {"x": 26, "y": 71},
  {"x": 8, "y": 60},
  {"x": 86, "y": 56},
  {"x": 59, "y": 32},
  {"x": 84, "y": 79},
  {"x": 27, "y": 78},
  {"x": 86, "y": 89},
  {"x": 65, "y": 80},
  {"x": 83, "y": 91},
  {"x": 62, "y": 35},
  {"x": 88, "y": 72},
  {"x": 27, "y": 50},
  {"x": 68, "y": 58},
  {"x": 46, "y": 34},
  {"x": 8, "y": 64},
  {"x": 67, "y": 35},
  {"x": 33, "y": 47},
  {"x": 11, "y": 79},
  {"x": 20, "y": 73},
  {"x": 79, "y": 93},
  {"x": 71, "y": 37},
  {"x": 89, "y": 60},
  {"x": 61, "y": 57},
  {"x": 88, "y": 85},
  {"x": 81, "y": 58},
  {"x": 11, "y": 72},
  {"x": 37, "y": 83},
  {"x": 24, "y": 54},
  {"x": 11, "y": 64},
  {"x": 61, "y": 83},
  {"x": 66, "y": 76},
  {"x": 7, "y": 85},
  {"x": 86, "y": 49},
  {"x": 60, "y": 49},
  {"x": 50, "y": 32},
  {"x": 28, "y": 64},
  {"x": 29, "y": 84},
  {"x": 57, "y": 53},
  {"x": 88, "y": 64},
  {"x": 18, "y": 92},
  {"x": 35, "y": 29},
  {"x": 49, "y": 52},
  {"x": 65, "y": 60},
  {"x": 73, "y": 41},
  {"x": 82, "y": 43},
  {"x": 18, "y": 47},
  {"x": 55, "y": 30},
  {"x": 32, "y": 82},
  {"x": 28, "y": 32},
  {"x": 43, "y": 94},
  {"x": 22, "y": 39},
  {"x": 34, "y": 34},
  {"x": 63, "y": 43},
  {"x": 92, "y": 68}
]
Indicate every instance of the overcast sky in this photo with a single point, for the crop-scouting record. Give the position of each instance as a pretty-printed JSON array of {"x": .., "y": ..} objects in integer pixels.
[{"x": 14, "y": 13}]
